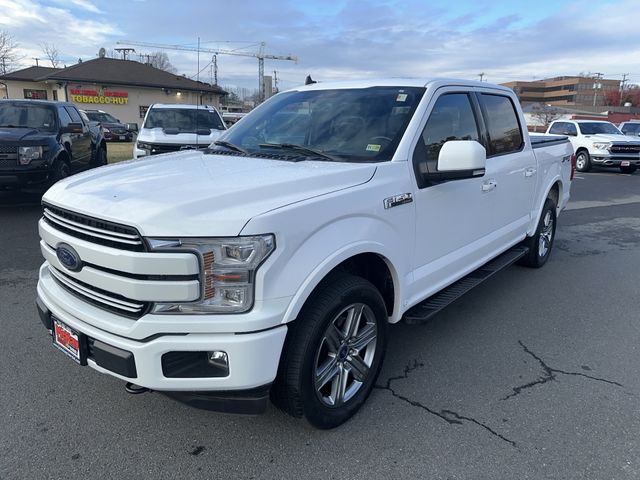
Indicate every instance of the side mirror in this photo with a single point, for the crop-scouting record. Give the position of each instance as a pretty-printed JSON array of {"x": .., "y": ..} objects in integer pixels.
[
  {"x": 72, "y": 128},
  {"x": 461, "y": 159},
  {"x": 132, "y": 127}
]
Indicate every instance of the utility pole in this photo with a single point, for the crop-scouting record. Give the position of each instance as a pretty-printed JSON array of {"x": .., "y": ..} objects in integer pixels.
[
  {"x": 215, "y": 69},
  {"x": 481, "y": 75},
  {"x": 275, "y": 81},
  {"x": 597, "y": 85},
  {"x": 622, "y": 83}
]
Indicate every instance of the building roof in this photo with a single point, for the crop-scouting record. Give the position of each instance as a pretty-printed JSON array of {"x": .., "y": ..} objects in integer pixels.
[
  {"x": 115, "y": 72},
  {"x": 31, "y": 73}
]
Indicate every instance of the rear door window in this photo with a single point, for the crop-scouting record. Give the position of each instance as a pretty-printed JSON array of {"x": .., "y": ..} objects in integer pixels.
[{"x": 505, "y": 135}]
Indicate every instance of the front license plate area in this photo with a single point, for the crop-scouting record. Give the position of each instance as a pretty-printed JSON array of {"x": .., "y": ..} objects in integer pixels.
[
  {"x": 121, "y": 137},
  {"x": 69, "y": 341},
  {"x": 625, "y": 163}
]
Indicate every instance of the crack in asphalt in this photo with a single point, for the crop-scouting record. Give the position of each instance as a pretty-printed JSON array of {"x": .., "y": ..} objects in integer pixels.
[
  {"x": 550, "y": 375},
  {"x": 449, "y": 416}
]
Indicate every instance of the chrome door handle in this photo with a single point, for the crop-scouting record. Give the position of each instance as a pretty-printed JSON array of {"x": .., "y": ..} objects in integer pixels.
[
  {"x": 489, "y": 185},
  {"x": 529, "y": 172}
]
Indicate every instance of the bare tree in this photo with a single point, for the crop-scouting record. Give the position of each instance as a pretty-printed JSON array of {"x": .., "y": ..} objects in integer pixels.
[
  {"x": 8, "y": 53},
  {"x": 545, "y": 114},
  {"x": 161, "y": 60},
  {"x": 51, "y": 52}
]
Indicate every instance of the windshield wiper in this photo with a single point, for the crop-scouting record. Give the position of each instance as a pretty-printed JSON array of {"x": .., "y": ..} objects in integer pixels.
[
  {"x": 301, "y": 149},
  {"x": 16, "y": 126},
  {"x": 230, "y": 146}
]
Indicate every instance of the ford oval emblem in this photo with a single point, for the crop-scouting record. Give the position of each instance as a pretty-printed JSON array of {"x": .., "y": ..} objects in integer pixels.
[{"x": 68, "y": 257}]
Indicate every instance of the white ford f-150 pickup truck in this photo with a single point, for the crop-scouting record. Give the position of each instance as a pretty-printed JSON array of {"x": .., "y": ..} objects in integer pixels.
[
  {"x": 271, "y": 264},
  {"x": 596, "y": 142}
]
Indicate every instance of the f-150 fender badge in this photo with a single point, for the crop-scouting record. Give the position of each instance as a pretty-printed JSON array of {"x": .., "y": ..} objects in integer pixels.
[{"x": 397, "y": 200}]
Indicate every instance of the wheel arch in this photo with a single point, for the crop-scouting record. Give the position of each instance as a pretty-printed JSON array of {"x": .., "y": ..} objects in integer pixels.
[
  {"x": 368, "y": 261},
  {"x": 555, "y": 192}
]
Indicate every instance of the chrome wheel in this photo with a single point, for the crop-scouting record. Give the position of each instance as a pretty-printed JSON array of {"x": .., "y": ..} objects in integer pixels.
[
  {"x": 345, "y": 355},
  {"x": 581, "y": 161},
  {"x": 546, "y": 234}
]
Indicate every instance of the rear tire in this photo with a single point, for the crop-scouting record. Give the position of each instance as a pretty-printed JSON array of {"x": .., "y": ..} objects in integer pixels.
[
  {"x": 333, "y": 352},
  {"x": 583, "y": 161},
  {"x": 541, "y": 243},
  {"x": 629, "y": 169}
]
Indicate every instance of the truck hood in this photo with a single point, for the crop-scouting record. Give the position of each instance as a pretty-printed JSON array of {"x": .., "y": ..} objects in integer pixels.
[
  {"x": 158, "y": 135},
  {"x": 193, "y": 193},
  {"x": 604, "y": 137},
  {"x": 20, "y": 134}
]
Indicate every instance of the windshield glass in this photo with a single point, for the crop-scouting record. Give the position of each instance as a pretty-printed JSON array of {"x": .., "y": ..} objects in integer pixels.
[
  {"x": 14, "y": 115},
  {"x": 631, "y": 128},
  {"x": 184, "y": 119},
  {"x": 352, "y": 125},
  {"x": 593, "y": 128},
  {"x": 101, "y": 117}
]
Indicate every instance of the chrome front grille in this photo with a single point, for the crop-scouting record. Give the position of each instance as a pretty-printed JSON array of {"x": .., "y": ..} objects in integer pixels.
[
  {"x": 94, "y": 230},
  {"x": 627, "y": 149},
  {"x": 98, "y": 297}
]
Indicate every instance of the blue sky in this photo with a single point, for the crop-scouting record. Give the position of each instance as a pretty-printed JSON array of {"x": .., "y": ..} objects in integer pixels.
[{"x": 507, "y": 40}]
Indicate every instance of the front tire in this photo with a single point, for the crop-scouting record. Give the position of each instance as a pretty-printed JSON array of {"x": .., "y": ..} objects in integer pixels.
[
  {"x": 541, "y": 243},
  {"x": 629, "y": 169},
  {"x": 583, "y": 161},
  {"x": 59, "y": 170},
  {"x": 333, "y": 352},
  {"x": 99, "y": 157}
]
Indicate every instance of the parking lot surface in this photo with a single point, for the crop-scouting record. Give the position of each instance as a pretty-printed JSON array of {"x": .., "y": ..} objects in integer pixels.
[{"x": 532, "y": 375}]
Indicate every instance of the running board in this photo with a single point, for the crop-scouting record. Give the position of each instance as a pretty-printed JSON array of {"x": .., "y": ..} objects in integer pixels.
[{"x": 423, "y": 311}]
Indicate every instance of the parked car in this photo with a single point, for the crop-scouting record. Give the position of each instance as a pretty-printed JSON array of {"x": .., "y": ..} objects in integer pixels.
[
  {"x": 43, "y": 141},
  {"x": 112, "y": 128},
  {"x": 265, "y": 267},
  {"x": 173, "y": 127},
  {"x": 631, "y": 128},
  {"x": 596, "y": 142}
]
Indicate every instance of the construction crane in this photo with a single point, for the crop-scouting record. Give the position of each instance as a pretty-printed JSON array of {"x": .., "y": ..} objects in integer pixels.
[{"x": 261, "y": 56}]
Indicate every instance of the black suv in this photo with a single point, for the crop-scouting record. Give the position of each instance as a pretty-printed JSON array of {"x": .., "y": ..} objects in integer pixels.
[
  {"x": 42, "y": 142},
  {"x": 112, "y": 129}
]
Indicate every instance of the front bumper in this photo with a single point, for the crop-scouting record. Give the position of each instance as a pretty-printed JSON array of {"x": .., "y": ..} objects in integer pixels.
[
  {"x": 253, "y": 357},
  {"x": 615, "y": 160}
]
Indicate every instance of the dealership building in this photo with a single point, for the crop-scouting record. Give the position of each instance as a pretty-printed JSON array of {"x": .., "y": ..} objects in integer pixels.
[{"x": 123, "y": 88}]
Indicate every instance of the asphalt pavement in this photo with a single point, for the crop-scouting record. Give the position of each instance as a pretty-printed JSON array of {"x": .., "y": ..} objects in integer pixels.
[{"x": 532, "y": 375}]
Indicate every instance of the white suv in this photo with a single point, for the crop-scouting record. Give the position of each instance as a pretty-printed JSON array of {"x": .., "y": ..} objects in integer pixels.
[{"x": 173, "y": 127}]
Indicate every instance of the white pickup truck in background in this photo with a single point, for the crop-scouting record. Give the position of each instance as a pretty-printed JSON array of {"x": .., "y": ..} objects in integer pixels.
[
  {"x": 272, "y": 263},
  {"x": 599, "y": 143}
]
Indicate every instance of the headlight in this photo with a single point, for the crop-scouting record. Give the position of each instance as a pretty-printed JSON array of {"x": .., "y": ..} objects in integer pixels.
[
  {"x": 228, "y": 267},
  {"x": 106, "y": 130},
  {"x": 143, "y": 146},
  {"x": 26, "y": 154},
  {"x": 602, "y": 146}
]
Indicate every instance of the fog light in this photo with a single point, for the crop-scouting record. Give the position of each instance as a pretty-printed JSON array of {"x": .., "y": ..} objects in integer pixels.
[
  {"x": 219, "y": 359},
  {"x": 195, "y": 364}
]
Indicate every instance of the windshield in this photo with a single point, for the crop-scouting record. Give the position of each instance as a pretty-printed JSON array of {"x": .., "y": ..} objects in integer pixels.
[
  {"x": 351, "y": 125},
  {"x": 101, "y": 117},
  {"x": 22, "y": 115},
  {"x": 593, "y": 128},
  {"x": 631, "y": 128},
  {"x": 185, "y": 120}
]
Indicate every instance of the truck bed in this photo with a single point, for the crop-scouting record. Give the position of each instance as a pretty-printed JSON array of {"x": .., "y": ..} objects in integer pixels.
[{"x": 543, "y": 140}]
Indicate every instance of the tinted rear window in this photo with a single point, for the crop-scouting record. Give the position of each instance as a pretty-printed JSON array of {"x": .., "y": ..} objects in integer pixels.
[{"x": 502, "y": 123}]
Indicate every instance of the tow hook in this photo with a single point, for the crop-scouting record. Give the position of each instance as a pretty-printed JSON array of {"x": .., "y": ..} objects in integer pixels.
[{"x": 134, "y": 389}]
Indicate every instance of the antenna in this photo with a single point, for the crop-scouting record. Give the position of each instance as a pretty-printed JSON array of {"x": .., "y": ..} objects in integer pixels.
[
  {"x": 125, "y": 52},
  {"x": 102, "y": 52}
]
